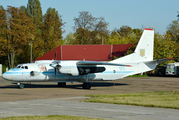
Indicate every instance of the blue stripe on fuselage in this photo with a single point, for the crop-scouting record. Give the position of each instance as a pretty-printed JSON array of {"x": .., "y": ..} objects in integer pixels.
[{"x": 15, "y": 72}]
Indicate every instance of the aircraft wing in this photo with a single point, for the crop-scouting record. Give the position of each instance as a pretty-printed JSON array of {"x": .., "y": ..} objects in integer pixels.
[{"x": 99, "y": 63}]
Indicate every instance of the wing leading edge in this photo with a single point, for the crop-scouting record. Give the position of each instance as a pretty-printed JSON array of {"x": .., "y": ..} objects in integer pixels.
[{"x": 99, "y": 63}]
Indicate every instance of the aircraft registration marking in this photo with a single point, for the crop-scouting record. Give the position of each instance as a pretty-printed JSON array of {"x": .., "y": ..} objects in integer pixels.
[{"x": 121, "y": 68}]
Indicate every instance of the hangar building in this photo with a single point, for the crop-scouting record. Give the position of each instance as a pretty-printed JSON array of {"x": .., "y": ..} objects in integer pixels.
[{"x": 86, "y": 52}]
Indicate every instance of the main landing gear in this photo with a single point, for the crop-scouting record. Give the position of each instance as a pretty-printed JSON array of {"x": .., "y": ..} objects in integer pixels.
[
  {"x": 61, "y": 84},
  {"x": 86, "y": 85}
]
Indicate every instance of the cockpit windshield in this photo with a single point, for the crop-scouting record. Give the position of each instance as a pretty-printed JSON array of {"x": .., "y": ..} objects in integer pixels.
[{"x": 21, "y": 67}]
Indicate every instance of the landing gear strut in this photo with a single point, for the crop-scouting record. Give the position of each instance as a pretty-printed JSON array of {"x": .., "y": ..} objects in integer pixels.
[
  {"x": 86, "y": 85},
  {"x": 61, "y": 84},
  {"x": 20, "y": 85}
]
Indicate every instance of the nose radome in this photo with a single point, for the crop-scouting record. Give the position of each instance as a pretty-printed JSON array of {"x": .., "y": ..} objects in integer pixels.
[{"x": 7, "y": 76}]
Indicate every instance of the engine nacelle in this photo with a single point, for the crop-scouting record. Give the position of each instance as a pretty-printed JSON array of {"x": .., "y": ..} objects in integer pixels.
[
  {"x": 84, "y": 71},
  {"x": 68, "y": 67},
  {"x": 34, "y": 73}
]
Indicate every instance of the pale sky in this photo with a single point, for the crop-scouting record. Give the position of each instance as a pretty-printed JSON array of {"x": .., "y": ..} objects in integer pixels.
[{"x": 133, "y": 13}]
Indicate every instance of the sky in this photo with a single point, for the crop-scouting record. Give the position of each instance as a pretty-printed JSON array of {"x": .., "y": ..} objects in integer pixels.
[{"x": 133, "y": 13}]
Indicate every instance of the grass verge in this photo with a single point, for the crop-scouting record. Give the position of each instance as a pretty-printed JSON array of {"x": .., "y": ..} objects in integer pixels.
[
  {"x": 138, "y": 75},
  {"x": 165, "y": 99},
  {"x": 50, "y": 117}
]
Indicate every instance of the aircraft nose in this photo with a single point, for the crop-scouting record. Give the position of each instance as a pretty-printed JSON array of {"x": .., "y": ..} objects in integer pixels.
[{"x": 7, "y": 76}]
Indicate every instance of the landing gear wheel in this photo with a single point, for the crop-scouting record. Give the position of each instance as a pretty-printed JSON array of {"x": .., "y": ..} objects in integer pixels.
[
  {"x": 61, "y": 84},
  {"x": 21, "y": 86},
  {"x": 86, "y": 85}
]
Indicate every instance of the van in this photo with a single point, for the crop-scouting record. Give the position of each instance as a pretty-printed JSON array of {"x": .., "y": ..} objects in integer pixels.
[{"x": 172, "y": 69}]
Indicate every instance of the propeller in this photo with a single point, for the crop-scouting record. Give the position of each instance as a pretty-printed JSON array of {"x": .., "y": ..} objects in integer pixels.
[
  {"x": 55, "y": 66},
  {"x": 55, "y": 70}
]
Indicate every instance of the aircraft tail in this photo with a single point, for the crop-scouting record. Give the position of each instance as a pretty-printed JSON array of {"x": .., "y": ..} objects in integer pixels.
[{"x": 143, "y": 51}]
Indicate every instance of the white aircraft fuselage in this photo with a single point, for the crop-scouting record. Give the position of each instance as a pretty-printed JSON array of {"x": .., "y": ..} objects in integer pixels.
[
  {"x": 83, "y": 71},
  {"x": 44, "y": 72}
]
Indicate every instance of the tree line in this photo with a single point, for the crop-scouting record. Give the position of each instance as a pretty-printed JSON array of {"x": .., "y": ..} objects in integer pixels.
[{"x": 24, "y": 28}]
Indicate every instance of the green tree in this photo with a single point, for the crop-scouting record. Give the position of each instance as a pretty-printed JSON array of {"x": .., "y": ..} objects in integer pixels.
[
  {"x": 124, "y": 35},
  {"x": 89, "y": 30},
  {"x": 101, "y": 30},
  {"x": 19, "y": 31},
  {"x": 3, "y": 26},
  {"x": 173, "y": 31},
  {"x": 34, "y": 11},
  {"x": 164, "y": 46},
  {"x": 23, "y": 8},
  {"x": 52, "y": 30},
  {"x": 69, "y": 39},
  {"x": 124, "y": 31}
]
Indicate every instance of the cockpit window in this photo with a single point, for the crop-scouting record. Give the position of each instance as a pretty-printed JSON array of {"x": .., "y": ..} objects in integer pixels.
[
  {"x": 18, "y": 66},
  {"x": 21, "y": 67}
]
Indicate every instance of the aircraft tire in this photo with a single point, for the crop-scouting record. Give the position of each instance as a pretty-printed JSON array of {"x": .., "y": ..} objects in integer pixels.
[
  {"x": 61, "y": 84},
  {"x": 21, "y": 86},
  {"x": 86, "y": 85}
]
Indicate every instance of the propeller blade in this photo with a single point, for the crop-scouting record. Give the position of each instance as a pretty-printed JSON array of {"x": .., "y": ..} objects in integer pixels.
[{"x": 55, "y": 72}]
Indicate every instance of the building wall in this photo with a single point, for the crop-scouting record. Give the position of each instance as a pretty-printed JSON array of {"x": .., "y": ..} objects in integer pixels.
[{"x": 86, "y": 52}]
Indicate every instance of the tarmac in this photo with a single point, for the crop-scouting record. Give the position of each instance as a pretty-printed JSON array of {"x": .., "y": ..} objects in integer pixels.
[{"x": 48, "y": 99}]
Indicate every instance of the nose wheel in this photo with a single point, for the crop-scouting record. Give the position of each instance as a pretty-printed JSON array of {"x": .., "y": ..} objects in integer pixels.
[{"x": 20, "y": 85}]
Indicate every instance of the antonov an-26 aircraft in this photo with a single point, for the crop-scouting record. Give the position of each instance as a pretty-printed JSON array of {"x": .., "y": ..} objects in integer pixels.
[{"x": 83, "y": 71}]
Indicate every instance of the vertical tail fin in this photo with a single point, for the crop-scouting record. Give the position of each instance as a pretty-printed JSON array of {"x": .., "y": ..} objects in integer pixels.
[{"x": 143, "y": 51}]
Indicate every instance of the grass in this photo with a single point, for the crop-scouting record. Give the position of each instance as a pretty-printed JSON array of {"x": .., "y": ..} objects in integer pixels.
[
  {"x": 165, "y": 99},
  {"x": 138, "y": 75},
  {"x": 49, "y": 117}
]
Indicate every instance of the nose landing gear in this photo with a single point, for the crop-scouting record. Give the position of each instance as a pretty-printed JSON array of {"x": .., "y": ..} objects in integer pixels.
[{"x": 20, "y": 85}]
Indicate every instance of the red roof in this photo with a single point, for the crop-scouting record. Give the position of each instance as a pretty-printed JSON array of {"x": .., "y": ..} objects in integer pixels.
[
  {"x": 148, "y": 29},
  {"x": 86, "y": 52}
]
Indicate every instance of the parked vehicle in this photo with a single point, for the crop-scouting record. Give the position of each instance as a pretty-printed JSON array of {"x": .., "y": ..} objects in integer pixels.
[{"x": 172, "y": 69}]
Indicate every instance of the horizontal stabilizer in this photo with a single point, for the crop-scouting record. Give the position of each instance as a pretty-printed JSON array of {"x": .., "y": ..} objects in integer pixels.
[
  {"x": 163, "y": 60},
  {"x": 160, "y": 60}
]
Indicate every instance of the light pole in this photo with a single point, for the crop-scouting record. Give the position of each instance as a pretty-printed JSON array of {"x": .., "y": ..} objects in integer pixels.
[
  {"x": 31, "y": 52},
  {"x": 102, "y": 40}
]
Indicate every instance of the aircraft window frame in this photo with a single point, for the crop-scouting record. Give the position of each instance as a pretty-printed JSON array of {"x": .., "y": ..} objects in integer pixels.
[
  {"x": 26, "y": 67},
  {"x": 22, "y": 67}
]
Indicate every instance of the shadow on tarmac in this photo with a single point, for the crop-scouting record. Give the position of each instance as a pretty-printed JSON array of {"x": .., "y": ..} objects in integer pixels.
[{"x": 72, "y": 86}]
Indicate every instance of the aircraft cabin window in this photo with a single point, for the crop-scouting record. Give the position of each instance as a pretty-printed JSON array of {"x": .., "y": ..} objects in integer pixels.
[
  {"x": 26, "y": 67},
  {"x": 22, "y": 67}
]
